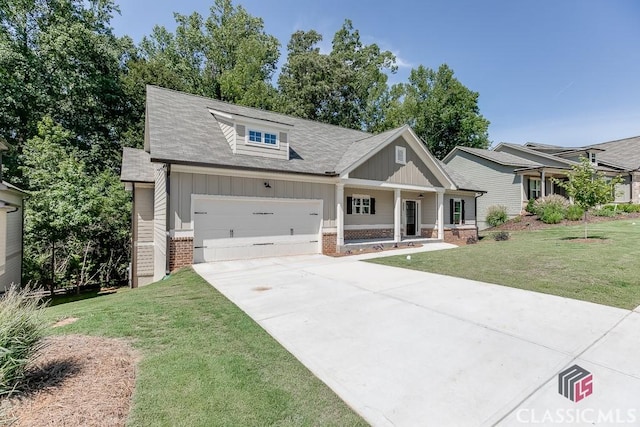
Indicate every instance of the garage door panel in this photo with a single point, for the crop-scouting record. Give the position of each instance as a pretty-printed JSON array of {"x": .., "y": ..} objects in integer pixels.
[{"x": 229, "y": 228}]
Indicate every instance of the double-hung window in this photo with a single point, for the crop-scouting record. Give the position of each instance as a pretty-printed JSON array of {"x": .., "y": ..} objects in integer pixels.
[
  {"x": 361, "y": 205},
  {"x": 255, "y": 136},
  {"x": 457, "y": 212},
  {"x": 534, "y": 188}
]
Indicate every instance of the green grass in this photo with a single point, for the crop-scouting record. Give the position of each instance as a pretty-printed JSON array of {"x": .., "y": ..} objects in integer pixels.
[
  {"x": 205, "y": 362},
  {"x": 552, "y": 261}
]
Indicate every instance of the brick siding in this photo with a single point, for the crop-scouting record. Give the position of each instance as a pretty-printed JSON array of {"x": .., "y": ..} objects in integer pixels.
[
  {"x": 381, "y": 233},
  {"x": 459, "y": 236},
  {"x": 329, "y": 243},
  {"x": 180, "y": 252}
]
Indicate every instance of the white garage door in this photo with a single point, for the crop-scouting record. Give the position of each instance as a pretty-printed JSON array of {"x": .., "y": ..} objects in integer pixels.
[{"x": 228, "y": 228}]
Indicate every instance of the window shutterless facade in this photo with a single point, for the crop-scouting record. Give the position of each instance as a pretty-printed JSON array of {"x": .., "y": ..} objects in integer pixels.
[
  {"x": 534, "y": 188},
  {"x": 259, "y": 137}
]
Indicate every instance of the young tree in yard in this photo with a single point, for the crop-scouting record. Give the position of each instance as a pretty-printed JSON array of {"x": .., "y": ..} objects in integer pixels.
[
  {"x": 588, "y": 187},
  {"x": 443, "y": 112}
]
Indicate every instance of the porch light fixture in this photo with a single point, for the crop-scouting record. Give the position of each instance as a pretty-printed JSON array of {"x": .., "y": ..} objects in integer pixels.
[
  {"x": 420, "y": 196},
  {"x": 266, "y": 184}
]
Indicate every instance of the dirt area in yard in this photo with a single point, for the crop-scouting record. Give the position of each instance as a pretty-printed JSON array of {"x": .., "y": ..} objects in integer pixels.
[
  {"x": 531, "y": 222},
  {"x": 76, "y": 380}
]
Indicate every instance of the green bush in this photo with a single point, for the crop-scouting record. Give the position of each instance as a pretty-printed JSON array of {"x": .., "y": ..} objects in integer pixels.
[
  {"x": 500, "y": 236},
  {"x": 574, "y": 213},
  {"x": 555, "y": 202},
  {"x": 22, "y": 328},
  {"x": 551, "y": 215},
  {"x": 604, "y": 211},
  {"x": 496, "y": 215},
  {"x": 629, "y": 207},
  {"x": 531, "y": 206}
]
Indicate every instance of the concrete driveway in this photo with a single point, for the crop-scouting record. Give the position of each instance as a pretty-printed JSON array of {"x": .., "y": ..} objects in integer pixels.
[{"x": 407, "y": 348}]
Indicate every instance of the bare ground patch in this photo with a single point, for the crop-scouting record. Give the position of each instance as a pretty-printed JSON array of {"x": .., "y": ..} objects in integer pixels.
[
  {"x": 76, "y": 380},
  {"x": 64, "y": 322}
]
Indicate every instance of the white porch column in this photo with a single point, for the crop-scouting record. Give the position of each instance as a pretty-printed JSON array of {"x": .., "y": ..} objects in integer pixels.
[
  {"x": 340, "y": 214},
  {"x": 397, "y": 216},
  {"x": 440, "y": 216},
  {"x": 543, "y": 191}
]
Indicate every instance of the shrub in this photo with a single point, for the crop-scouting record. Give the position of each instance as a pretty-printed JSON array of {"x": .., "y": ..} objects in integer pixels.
[
  {"x": 551, "y": 215},
  {"x": 555, "y": 201},
  {"x": 501, "y": 236},
  {"x": 574, "y": 213},
  {"x": 603, "y": 211},
  {"x": 496, "y": 215},
  {"x": 22, "y": 328},
  {"x": 472, "y": 240},
  {"x": 531, "y": 206},
  {"x": 629, "y": 207}
]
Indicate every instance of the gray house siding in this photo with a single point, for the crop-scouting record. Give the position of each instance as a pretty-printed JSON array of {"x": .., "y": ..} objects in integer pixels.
[
  {"x": 143, "y": 235},
  {"x": 159, "y": 222},
  {"x": 183, "y": 185},
  {"x": 384, "y": 208},
  {"x": 469, "y": 210},
  {"x": 623, "y": 190},
  {"x": 503, "y": 185},
  {"x": 383, "y": 167},
  {"x": 13, "y": 249},
  {"x": 531, "y": 156}
]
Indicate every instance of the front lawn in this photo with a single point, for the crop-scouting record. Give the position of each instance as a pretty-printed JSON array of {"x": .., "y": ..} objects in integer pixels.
[
  {"x": 604, "y": 270},
  {"x": 204, "y": 361}
]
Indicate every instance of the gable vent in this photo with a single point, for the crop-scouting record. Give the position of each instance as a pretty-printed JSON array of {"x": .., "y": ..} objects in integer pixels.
[
  {"x": 240, "y": 129},
  {"x": 283, "y": 137}
]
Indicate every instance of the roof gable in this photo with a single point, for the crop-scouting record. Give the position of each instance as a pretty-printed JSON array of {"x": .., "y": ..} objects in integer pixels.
[
  {"x": 505, "y": 159},
  {"x": 532, "y": 155}
]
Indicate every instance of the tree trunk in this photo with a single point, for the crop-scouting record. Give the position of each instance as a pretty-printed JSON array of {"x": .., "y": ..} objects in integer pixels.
[
  {"x": 585, "y": 225},
  {"x": 53, "y": 268}
]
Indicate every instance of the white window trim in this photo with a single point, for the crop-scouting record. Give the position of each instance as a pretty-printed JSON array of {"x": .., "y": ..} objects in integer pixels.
[
  {"x": 263, "y": 144},
  {"x": 538, "y": 189},
  {"x": 362, "y": 206},
  {"x": 401, "y": 155},
  {"x": 461, "y": 219}
]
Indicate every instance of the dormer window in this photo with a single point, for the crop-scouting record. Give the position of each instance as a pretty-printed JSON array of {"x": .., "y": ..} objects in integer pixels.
[
  {"x": 259, "y": 137},
  {"x": 592, "y": 157}
]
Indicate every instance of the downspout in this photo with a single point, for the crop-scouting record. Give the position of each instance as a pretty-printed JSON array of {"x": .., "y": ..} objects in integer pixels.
[{"x": 167, "y": 270}]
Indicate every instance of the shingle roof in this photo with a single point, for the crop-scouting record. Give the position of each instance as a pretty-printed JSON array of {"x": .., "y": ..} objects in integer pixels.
[
  {"x": 623, "y": 153},
  {"x": 362, "y": 147},
  {"x": 136, "y": 166},
  {"x": 182, "y": 130},
  {"x": 500, "y": 157},
  {"x": 459, "y": 179}
]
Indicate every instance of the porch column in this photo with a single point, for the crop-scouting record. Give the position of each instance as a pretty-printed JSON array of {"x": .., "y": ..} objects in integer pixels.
[
  {"x": 440, "y": 216},
  {"x": 397, "y": 216},
  {"x": 543, "y": 191},
  {"x": 340, "y": 214}
]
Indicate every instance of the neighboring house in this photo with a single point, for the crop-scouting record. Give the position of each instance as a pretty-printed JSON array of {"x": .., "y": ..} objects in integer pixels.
[
  {"x": 217, "y": 181},
  {"x": 11, "y": 220},
  {"x": 513, "y": 173}
]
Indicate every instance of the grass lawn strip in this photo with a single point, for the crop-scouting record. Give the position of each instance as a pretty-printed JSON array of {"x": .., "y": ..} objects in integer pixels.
[
  {"x": 204, "y": 362},
  {"x": 554, "y": 260}
]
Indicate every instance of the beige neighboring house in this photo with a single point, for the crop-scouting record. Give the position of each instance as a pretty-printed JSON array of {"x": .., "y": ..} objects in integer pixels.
[
  {"x": 512, "y": 174},
  {"x": 11, "y": 221},
  {"x": 217, "y": 181}
]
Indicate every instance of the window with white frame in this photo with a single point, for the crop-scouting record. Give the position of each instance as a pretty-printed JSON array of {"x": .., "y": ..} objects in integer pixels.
[
  {"x": 592, "y": 156},
  {"x": 259, "y": 137},
  {"x": 401, "y": 155},
  {"x": 534, "y": 188},
  {"x": 457, "y": 212},
  {"x": 361, "y": 204}
]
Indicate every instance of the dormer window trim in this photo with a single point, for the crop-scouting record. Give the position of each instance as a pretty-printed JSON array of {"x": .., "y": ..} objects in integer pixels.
[{"x": 262, "y": 138}]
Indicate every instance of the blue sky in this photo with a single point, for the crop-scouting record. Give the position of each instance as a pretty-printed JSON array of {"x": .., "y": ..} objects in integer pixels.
[{"x": 556, "y": 72}]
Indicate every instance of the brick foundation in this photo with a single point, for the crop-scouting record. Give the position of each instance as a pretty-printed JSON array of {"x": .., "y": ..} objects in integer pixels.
[
  {"x": 429, "y": 233},
  {"x": 329, "y": 243},
  {"x": 459, "y": 236},
  {"x": 180, "y": 252},
  {"x": 380, "y": 233}
]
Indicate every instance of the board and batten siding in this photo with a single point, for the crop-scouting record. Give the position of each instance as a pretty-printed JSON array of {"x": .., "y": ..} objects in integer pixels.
[
  {"x": 383, "y": 167},
  {"x": 258, "y": 150},
  {"x": 159, "y": 222},
  {"x": 384, "y": 208},
  {"x": 503, "y": 186},
  {"x": 183, "y": 185},
  {"x": 12, "y": 227},
  {"x": 143, "y": 234}
]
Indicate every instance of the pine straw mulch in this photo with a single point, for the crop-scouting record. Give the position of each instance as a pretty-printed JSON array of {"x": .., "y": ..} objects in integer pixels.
[
  {"x": 76, "y": 380},
  {"x": 532, "y": 222}
]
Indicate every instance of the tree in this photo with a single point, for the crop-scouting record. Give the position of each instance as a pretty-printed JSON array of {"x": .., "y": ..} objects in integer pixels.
[
  {"x": 344, "y": 87},
  {"x": 76, "y": 224},
  {"x": 442, "y": 111},
  {"x": 588, "y": 187}
]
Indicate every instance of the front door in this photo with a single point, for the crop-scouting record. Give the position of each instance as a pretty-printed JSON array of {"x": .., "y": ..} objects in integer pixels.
[{"x": 411, "y": 211}]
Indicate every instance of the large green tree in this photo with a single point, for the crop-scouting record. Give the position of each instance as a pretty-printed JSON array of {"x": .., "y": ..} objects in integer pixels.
[
  {"x": 442, "y": 111},
  {"x": 344, "y": 87},
  {"x": 60, "y": 58}
]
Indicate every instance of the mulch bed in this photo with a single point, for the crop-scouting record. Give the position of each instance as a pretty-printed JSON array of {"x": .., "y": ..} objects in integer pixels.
[
  {"x": 531, "y": 222},
  {"x": 384, "y": 247},
  {"x": 76, "y": 380}
]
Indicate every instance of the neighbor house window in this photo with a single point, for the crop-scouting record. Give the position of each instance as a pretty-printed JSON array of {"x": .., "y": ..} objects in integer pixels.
[
  {"x": 592, "y": 157},
  {"x": 534, "y": 188},
  {"x": 263, "y": 138},
  {"x": 457, "y": 212},
  {"x": 401, "y": 155}
]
